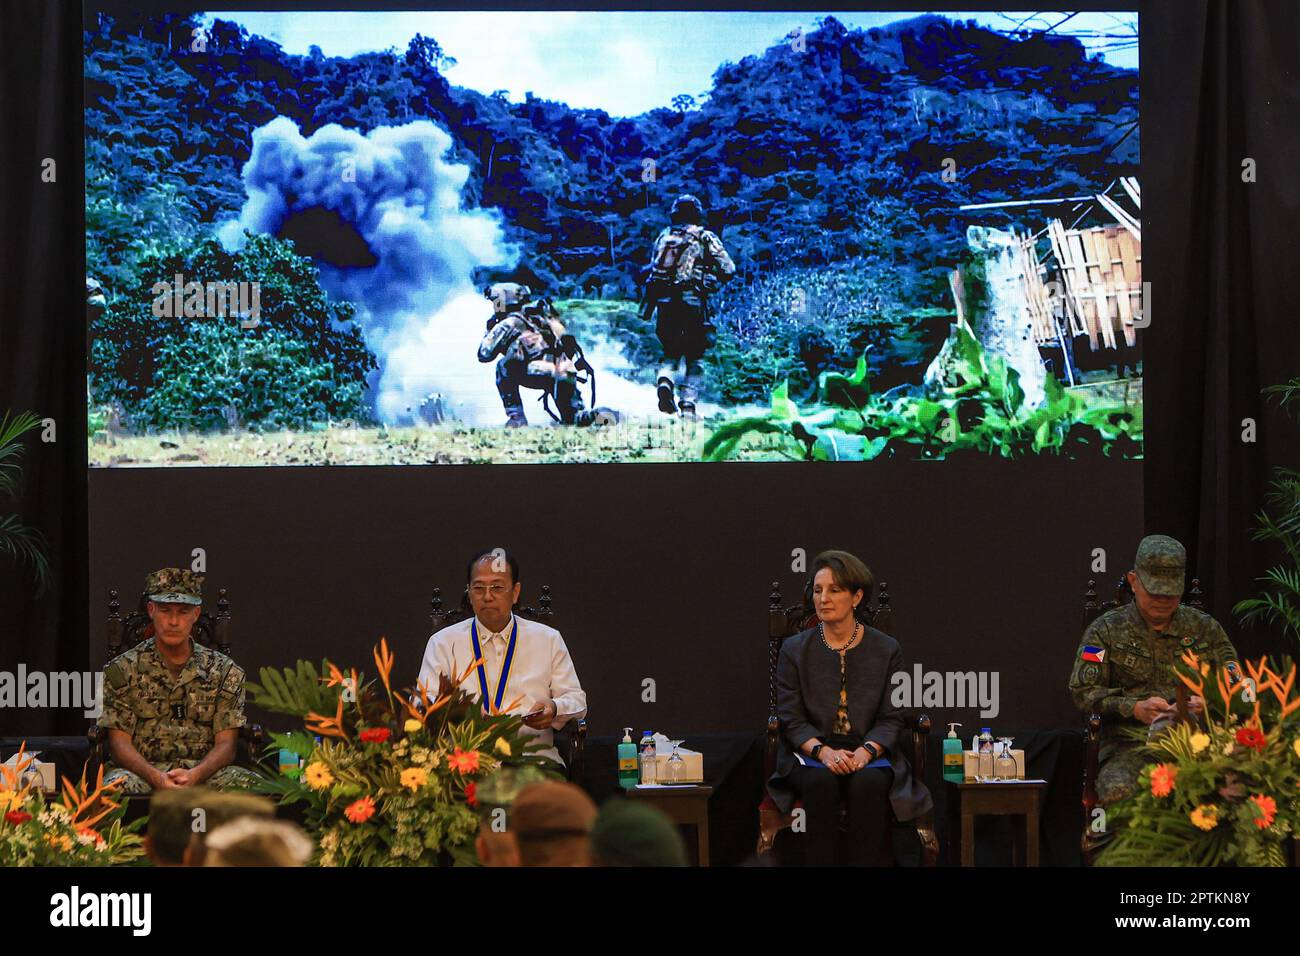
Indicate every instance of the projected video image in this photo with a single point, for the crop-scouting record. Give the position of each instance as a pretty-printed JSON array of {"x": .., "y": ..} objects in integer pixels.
[{"x": 328, "y": 238}]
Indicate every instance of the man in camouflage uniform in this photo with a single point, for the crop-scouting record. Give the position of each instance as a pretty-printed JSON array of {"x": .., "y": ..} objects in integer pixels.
[
  {"x": 1124, "y": 667},
  {"x": 172, "y": 707},
  {"x": 687, "y": 265},
  {"x": 536, "y": 352}
]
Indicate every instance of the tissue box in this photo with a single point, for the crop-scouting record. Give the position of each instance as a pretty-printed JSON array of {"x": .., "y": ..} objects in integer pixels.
[
  {"x": 970, "y": 764},
  {"x": 44, "y": 772},
  {"x": 693, "y": 771}
]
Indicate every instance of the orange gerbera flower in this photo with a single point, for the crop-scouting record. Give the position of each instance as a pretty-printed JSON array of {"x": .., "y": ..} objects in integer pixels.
[
  {"x": 359, "y": 811},
  {"x": 1162, "y": 779},
  {"x": 1267, "y": 809},
  {"x": 463, "y": 761}
]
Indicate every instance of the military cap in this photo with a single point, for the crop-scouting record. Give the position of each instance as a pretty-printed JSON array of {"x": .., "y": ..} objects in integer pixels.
[
  {"x": 551, "y": 809},
  {"x": 630, "y": 833},
  {"x": 171, "y": 821},
  {"x": 1161, "y": 564},
  {"x": 174, "y": 586}
]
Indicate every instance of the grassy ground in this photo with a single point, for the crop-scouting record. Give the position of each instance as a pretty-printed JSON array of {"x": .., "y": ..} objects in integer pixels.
[{"x": 437, "y": 445}]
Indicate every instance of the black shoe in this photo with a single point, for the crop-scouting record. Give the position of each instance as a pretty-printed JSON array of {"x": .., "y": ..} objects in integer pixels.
[
  {"x": 688, "y": 410},
  {"x": 666, "y": 403}
]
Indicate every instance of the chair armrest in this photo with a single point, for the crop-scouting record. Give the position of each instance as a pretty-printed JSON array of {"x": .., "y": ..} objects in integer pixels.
[
  {"x": 578, "y": 753},
  {"x": 250, "y": 747},
  {"x": 98, "y": 755}
]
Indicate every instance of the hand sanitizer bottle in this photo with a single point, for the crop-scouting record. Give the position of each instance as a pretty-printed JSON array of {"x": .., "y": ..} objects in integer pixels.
[
  {"x": 953, "y": 762},
  {"x": 627, "y": 771}
]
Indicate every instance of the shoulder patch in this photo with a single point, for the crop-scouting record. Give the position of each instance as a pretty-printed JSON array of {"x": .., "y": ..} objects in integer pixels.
[{"x": 117, "y": 674}]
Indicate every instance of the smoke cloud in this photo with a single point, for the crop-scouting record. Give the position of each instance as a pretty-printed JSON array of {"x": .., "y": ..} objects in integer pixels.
[{"x": 382, "y": 215}]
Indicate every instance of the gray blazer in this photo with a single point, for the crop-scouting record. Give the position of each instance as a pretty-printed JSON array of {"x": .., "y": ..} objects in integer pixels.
[{"x": 808, "y": 692}]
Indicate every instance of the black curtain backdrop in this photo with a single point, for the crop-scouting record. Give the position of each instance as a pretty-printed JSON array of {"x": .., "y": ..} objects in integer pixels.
[
  {"x": 43, "y": 339},
  {"x": 671, "y": 557},
  {"x": 1220, "y": 85}
]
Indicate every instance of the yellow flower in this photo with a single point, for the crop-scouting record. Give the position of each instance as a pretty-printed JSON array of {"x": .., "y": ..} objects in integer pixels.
[
  {"x": 413, "y": 778},
  {"x": 8, "y": 800},
  {"x": 503, "y": 747},
  {"x": 1205, "y": 817},
  {"x": 412, "y": 725},
  {"x": 1199, "y": 742},
  {"x": 62, "y": 841},
  {"x": 1295, "y": 745},
  {"x": 318, "y": 776}
]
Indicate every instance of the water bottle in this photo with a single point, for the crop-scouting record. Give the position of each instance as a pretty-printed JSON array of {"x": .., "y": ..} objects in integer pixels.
[
  {"x": 649, "y": 770},
  {"x": 985, "y": 761}
]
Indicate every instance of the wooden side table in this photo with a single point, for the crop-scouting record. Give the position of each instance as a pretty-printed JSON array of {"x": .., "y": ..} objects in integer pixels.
[
  {"x": 1000, "y": 799},
  {"x": 685, "y": 806}
]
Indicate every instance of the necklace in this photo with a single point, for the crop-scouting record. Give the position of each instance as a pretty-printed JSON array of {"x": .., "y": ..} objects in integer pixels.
[{"x": 821, "y": 630}]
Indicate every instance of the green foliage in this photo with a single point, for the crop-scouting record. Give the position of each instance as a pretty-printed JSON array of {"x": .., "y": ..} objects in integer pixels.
[
  {"x": 981, "y": 407},
  {"x": 297, "y": 690},
  {"x": 1279, "y": 522},
  {"x": 304, "y": 362},
  {"x": 20, "y": 542}
]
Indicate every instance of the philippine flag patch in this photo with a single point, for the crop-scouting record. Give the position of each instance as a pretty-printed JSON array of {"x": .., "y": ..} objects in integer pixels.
[{"x": 1095, "y": 654}]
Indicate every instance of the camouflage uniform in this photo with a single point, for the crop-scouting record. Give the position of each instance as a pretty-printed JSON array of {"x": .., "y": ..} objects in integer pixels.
[
  {"x": 173, "y": 720},
  {"x": 527, "y": 336},
  {"x": 1122, "y": 661},
  {"x": 683, "y": 324}
]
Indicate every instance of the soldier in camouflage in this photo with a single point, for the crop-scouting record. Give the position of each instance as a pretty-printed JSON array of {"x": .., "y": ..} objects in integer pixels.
[
  {"x": 535, "y": 352},
  {"x": 172, "y": 707},
  {"x": 688, "y": 264},
  {"x": 1124, "y": 667}
]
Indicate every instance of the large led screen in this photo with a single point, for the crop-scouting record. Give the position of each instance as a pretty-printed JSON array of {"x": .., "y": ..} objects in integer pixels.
[{"x": 328, "y": 238}]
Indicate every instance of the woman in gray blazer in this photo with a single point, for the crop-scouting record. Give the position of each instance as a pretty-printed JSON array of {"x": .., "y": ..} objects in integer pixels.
[{"x": 840, "y": 732}]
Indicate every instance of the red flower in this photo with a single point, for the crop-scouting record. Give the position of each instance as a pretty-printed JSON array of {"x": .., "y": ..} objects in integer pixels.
[
  {"x": 1267, "y": 810},
  {"x": 375, "y": 735},
  {"x": 463, "y": 761},
  {"x": 1252, "y": 737},
  {"x": 91, "y": 831},
  {"x": 359, "y": 811},
  {"x": 1162, "y": 779},
  {"x": 471, "y": 793},
  {"x": 17, "y": 816}
]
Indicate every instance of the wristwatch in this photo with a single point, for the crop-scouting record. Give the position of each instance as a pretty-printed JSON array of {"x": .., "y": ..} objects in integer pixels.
[
  {"x": 817, "y": 748},
  {"x": 872, "y": 748}
]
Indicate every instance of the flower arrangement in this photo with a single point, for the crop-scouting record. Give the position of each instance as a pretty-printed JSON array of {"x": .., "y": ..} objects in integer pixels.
[
  {"x": 1224, "y": 794},
  {"x": 85, "y": 829},
  {"x": 392, "y": 779}
]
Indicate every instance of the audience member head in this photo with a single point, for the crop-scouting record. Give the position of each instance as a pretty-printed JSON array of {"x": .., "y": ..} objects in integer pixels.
[
  {"x": 220, "y": 808},
  {"x": 494, "y": 796},
  {"x": 171, "y": 822},
  {"x": 552, "y": 822},
  {"x": 628, "y": 833},
  {"x": 257, "y": 841}
]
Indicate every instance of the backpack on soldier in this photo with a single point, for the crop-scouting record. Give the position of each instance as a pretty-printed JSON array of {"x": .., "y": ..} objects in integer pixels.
[{"x": 676, "y": 254}]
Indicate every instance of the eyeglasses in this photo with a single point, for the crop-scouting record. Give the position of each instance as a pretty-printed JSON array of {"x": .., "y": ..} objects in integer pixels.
[{"x": 481, "y": 590}]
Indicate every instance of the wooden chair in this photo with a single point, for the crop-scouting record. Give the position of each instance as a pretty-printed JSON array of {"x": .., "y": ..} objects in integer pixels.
[
  {"x": 211, "y": 630},
  {"x": 572, "y": 739},
  {"x": 1091, "y": 842},
  {"x": 787, "y": 621}
]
